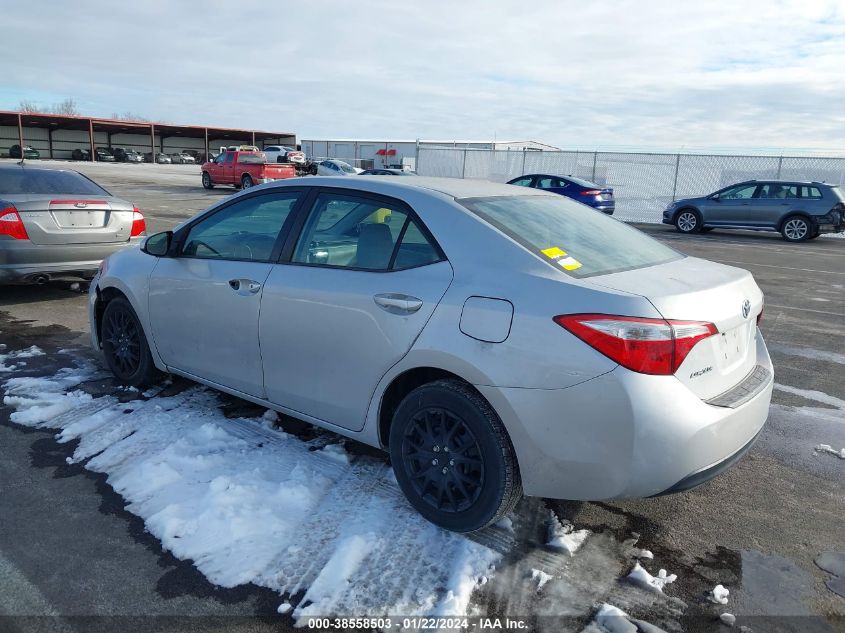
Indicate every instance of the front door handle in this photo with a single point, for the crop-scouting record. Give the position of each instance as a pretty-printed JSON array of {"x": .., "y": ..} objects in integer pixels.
[
  {"x": 397, "y": 303},
  {"x": 244, "y": 287}
]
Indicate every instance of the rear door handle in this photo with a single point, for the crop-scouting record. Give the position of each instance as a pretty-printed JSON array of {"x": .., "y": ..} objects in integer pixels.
[
  {"x": 244, "y": 287},
  {"x": 396, "y": 303}
]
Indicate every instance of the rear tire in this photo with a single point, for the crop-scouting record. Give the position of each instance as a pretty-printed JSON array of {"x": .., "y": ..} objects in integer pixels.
[
  {"x": 206, "y": 181},
  {"x": 688, "y": 221},
  {"x": 246, "y": 181},
  {"x": 453, "y": 458},
  {"x": 796, "y": 228},
  {"x": 125, "y": 346}
]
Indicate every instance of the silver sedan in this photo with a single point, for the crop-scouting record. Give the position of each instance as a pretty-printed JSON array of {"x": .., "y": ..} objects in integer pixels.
[
  {"x": 56, "y": 223},
  {"x": 497, "y": 341}
]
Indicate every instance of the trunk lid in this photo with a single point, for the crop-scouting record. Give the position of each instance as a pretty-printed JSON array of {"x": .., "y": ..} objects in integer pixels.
[
  {"x": 56, "y": 219},
  {"x": 693, "y": 289}
]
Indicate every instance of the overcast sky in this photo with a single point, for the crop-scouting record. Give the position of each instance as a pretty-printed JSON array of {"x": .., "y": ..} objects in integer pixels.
[{"x": 720, "y": 74}]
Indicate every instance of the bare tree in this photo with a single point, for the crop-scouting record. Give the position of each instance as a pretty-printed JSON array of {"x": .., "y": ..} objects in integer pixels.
[
  {"x": 68, "y": 106},
  {"x": 29, "y": 106},
  {"x": 129, "y": 116}
]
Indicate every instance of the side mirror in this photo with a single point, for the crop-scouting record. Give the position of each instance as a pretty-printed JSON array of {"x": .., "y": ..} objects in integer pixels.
[{"x": 158, "y": 245}]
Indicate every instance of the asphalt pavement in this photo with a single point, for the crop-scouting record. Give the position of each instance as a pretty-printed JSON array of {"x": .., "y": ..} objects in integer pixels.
[{"x": 69, "y": 550}]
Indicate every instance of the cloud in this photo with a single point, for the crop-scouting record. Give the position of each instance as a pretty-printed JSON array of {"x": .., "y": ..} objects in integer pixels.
[{"x": 657, "y": 74}]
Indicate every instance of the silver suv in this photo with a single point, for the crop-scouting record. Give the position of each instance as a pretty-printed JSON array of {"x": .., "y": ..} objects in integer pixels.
[{"x": 798, "y": 210}]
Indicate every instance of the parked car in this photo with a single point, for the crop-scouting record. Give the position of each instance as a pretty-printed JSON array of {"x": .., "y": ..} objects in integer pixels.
[
  {"x": 799, "y": 210},
  {"x": 495, "y": 340},
  {"x": 160, "y": 158},
  {"x": 80, "y": 154},
  {"x": 583, "y": 191},
  {"x": 334, "y": 167},
  {"x": 57, "y": 223},
  {"x": 243, "y": 169},
  {"x": 182, "y": 158},
  {"x": 123, "y": 155},
  {"x": 103, "y": 155},
  {"x": 29, "y": 153},
  {"x": 386, "y": 172},
  {"x": 283, "y": 154}
]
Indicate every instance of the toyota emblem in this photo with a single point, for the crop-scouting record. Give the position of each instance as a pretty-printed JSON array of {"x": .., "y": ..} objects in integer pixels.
[{"x": 746, "y": 308}]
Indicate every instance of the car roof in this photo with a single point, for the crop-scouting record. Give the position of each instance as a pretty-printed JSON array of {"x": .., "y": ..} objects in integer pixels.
[{"x": 453, "y": 187}]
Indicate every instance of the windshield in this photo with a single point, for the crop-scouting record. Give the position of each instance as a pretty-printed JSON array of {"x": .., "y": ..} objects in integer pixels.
[
  {"x": 26, "y": 180},
  {"x": 346, "y": 167},
  {"x": 577, "y": 240}
]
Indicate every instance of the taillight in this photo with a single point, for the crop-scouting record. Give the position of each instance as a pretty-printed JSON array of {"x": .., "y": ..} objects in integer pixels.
[
  {"x": 647, "y": 346},
  {"x": 11, "y": 224},
  {"x": 591, "y": 192},
  {"x": 139, "y": 226}
]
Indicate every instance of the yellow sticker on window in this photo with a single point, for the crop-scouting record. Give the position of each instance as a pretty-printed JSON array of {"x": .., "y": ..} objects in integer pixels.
[{"x": 567, "y": 262}]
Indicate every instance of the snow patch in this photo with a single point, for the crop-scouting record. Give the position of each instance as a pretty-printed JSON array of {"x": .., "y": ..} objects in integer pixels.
[
  {"x": 827, "y": 448},
  {"x": 640, "y": 576},
  {"x": 246, "y": 503},
  {"x": 719, "y": 595},
  {"x": 29, "y": 352},
  {"x": 562, "y": 535},
  {"x": 506, "y": 524},
  {"x": 541, "y": 577},
  {"x": 614, "y": 620},
  {"x": 728, "y": 618}
]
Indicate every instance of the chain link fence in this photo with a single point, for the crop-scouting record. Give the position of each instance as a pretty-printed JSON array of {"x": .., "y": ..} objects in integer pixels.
[{"x": 643, "y": 184}]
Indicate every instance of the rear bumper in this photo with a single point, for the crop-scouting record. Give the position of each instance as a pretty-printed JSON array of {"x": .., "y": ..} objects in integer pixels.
[
  {"x": 627, "y": 435},
  {"x": 21, "y": 261}
]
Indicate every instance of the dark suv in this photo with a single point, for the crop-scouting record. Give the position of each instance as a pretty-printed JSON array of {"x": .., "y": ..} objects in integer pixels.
[{"x": 798, "y": 210}]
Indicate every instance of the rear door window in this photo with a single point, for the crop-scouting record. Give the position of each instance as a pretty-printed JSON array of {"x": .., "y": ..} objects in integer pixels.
[
  {"x": 363, "y": 233},
  {"x": 549, "y": 182},
  {"x": 578, "y": 242}
]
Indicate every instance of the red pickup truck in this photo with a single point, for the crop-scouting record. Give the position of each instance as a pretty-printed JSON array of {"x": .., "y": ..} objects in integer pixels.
[{"x": 243, "y": 170}]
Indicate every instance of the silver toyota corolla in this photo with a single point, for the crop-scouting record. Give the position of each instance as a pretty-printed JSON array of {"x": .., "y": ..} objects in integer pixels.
[
  {"x": 58, "y": 223},
  {"x": 497, "y": 341}
]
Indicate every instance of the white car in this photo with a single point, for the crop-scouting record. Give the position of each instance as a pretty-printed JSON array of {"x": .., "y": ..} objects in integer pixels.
[
  {"x": 283, "y": 154},
  {"x": 182, "y": 158},
  {"x": 334, "y": 167}
]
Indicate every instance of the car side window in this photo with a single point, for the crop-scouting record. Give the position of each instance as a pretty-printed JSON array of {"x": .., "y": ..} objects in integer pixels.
[
  {"x": 547, "y": 182},
  {"x": 362, "y": 233},
  {"x": 775, "y": 191},
  {"x": 228, "y": 157},
  {"x": 523, "y": 182},
  {"x": 743, "y": 192},
  {"x": 811, "y": 193},
  {"x": 246, "y": 230}
]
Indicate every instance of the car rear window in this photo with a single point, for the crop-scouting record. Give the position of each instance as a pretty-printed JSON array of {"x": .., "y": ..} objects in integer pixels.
[
  {"x": 576, "y": 240},
  {"x": 253, "y": 158},
  {"x": 26, "y": 180}
]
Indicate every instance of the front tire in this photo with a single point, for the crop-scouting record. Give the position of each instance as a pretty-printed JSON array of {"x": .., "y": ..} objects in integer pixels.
[
  {"x": 688, "y": 221},
  {"x": 796, "y": 228},
  {"x": 246, "y": 181},
  {"x": 206, "y": 181},
  {"x": 453, "y": 458},
  {"x": 125, "y": 346}
]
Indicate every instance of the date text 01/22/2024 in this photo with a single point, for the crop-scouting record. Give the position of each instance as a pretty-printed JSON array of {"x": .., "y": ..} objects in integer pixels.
[{"x": 417, "y": 623}]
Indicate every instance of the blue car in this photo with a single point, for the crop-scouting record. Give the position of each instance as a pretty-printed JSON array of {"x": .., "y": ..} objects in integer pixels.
[{"x": 589, "y": 193}]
